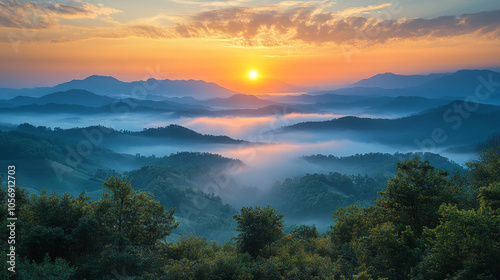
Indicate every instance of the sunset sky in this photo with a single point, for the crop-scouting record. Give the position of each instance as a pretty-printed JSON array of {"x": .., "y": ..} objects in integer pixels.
[{"x": 303, "y": 43}]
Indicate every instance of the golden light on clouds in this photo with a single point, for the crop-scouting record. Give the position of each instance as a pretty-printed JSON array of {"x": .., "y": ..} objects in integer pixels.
[{"x": 296, "y": 42}]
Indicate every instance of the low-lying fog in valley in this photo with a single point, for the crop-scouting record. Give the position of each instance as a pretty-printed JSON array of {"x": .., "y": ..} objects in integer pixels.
[
  {"x": 305, "y": 154},
  {"x": 270, "y": 155},
  {"x": 268, "y": 143},
  {"x": 192, "y": 139}
]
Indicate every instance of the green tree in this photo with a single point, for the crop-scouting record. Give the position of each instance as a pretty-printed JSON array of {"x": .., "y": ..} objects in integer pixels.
[
  {"x": 142, "y": 220},
  {"x": 486, "y": 169},
  {"x": 385, "y": 253},
  {"x": 48, "y": 223},
  {"x": 489, "y": 197},
  {"x": 414, "y": 195},
  {"x": 305, "y": 232},
  {"x": 132, "y": 223},
  {"x": 258, "y": 228},
  {"x": 353, "y": 234},
  {"x": 59, "y": 269},
  {"x": 466, "y": 245}
]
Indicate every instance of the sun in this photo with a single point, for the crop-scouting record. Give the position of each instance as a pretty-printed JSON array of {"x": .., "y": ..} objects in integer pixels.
[{"x": 252, "y": 74}]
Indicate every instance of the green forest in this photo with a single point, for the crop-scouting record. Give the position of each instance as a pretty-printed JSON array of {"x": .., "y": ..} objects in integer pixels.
[{"x": 424, "y": 224}]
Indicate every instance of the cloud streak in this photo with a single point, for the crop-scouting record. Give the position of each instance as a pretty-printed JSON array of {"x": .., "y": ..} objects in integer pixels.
[
  {"x": 226, "y": 3},
  {"x": 31, "y": 14},
  {"x": 288, "y": 23},
  {"x": 274, "y": 26}
]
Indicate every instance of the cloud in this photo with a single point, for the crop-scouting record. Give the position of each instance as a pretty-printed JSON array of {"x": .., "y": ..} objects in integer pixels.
[
  {"x": 223, "y": 3},
  {"x": 311, "y": 23},
  {"x": 147, "y": 31},
  {"x": 361, "y": 10},
  {"x": 31, "y": 14},
  {"x": 287, "y": 23}
]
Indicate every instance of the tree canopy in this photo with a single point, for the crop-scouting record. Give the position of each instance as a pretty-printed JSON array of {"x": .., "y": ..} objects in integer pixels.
[{"x": 426, "y": 224}]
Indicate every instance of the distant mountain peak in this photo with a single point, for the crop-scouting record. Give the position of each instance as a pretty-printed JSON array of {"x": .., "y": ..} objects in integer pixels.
[
  {"x": 390, "y": 80},
  {"x": 93, "y": 78},
  {"x": 387, "y": 74},
  {"x": 460, "y": 83}
]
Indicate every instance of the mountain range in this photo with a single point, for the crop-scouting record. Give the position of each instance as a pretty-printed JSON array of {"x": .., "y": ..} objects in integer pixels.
[
  {"x": 444, "y": 126},
  {"x": 162, "y": 135},
  {"x": 459, "y": 84},
  {"x": 97, "y": 94},
  {"x": 110, "y": 86},
  {"x": 72, "y": 96},
  {"x": 455, "y": 85},
  {"x": 392, "y": 81}
]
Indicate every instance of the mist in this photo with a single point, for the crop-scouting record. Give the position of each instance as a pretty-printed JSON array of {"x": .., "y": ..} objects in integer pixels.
[
  {"x": 271, "y": 155},
  {"x": 305, "y": 158}
]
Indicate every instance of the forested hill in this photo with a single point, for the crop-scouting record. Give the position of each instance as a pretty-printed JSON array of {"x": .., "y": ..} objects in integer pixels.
[
  {"x": 378, "y": 163},
  {"x": 471, "y": 127},
  {"x": 424, "y": 225},
  {"x": 57, "y": 164},
  {"x": 109, "y": 136}
]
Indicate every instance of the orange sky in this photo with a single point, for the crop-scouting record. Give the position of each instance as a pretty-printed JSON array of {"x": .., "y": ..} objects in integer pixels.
[{"x": 69, "y": 50}]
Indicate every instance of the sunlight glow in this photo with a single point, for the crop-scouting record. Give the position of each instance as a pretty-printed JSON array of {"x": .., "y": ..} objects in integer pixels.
[{"x": 253, "y": 74}]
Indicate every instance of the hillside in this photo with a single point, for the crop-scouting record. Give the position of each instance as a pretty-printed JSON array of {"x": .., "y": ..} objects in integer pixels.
[
  {"x": 58, "y": 164},
  {"x": 408, "y": 131},
  {"x": 73, "y": 96},
  {"x": 378, "y": 163},
  {"x": 109, "y": 137}
]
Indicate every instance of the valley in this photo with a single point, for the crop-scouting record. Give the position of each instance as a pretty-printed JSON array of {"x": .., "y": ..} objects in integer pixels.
[{"x": 234, "y": 151}]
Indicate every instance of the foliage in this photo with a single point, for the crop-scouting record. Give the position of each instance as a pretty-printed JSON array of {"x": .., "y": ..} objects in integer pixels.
[
  {"x": 187, "y": 161},
  {"x": 142, "y": 220},
  {"x": 425, "y": 225},
  {"x": 316, "y": 195},
  {"x": 17, "y": 145},
  {"x": 466, "y": 245},
  {"x": 57, "y": 270},
  {"x": 380, "y": 163},
  {"x": 90, "y": 239},
  {"x": 486, "y": 169},
  {"x": 305, "y": 232},
  {"x": 414, "y": 195},
  {"x": 204, "y": 214},
  {"x": 258, "y": 228},
  {"x": 489, "y": 197}
]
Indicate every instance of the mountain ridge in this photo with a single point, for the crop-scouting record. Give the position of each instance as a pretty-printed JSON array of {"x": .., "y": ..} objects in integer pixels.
[
  {"x": 393, "y": 81},
  {"x": 72, "y": 96},
  {"x": 414, "y": 129},
  {"x": 112, "y": 87}
]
